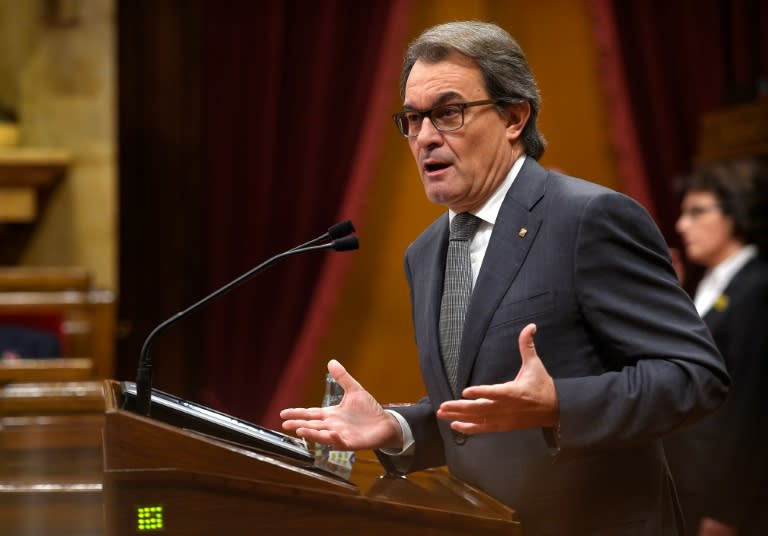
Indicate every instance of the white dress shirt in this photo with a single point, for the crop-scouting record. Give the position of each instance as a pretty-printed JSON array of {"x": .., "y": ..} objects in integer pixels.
[
  {"x": 477, "y": 247},
  {"x": 717, "y": 278}
]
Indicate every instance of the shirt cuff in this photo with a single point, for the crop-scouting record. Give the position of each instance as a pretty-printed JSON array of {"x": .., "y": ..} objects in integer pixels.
[{"x": 408, "y": 442}]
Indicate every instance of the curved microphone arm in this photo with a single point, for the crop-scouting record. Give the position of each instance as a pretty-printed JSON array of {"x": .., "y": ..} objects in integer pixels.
[{"x": 144, "y": 372}]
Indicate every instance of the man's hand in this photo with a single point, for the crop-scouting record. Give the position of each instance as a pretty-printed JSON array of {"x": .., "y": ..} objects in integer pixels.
[
  {"x": 529, "y": 401},
  {"x": 357, "y": 422}
]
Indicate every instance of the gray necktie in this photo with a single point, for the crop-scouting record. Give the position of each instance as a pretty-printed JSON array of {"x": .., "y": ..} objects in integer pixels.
[{"x": 457, "y": 289}]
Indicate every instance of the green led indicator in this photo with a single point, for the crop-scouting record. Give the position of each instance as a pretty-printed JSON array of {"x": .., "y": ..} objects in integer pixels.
[{"x": 149, "y": 518}]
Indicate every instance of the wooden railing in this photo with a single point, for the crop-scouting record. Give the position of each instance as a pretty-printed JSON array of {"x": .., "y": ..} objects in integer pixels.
[
  {"x": 51, "y": 467},
  {"x": 87, "y": 314}
]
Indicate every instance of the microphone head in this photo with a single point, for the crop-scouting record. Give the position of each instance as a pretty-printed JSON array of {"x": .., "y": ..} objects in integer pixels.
[
  {"x": 346, "y": 243},
  {"x": 343, "y": 228}
]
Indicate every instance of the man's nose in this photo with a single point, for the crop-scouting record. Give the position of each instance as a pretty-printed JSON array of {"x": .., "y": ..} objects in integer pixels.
[{"x": 428, "y": 134}]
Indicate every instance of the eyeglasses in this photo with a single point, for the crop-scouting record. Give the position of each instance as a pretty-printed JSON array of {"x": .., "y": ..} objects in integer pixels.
[
  {"x": 445, "y": 118},
  {"x": 696, "y": 211}
]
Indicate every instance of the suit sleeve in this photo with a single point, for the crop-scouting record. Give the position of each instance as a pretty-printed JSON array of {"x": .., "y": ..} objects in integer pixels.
[
  {"x": 663, "y": 370},
  {"x": 428, "y": 450}
]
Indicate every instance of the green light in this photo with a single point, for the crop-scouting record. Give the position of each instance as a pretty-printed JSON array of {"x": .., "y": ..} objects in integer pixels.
[{"x": 149, "y": 518}]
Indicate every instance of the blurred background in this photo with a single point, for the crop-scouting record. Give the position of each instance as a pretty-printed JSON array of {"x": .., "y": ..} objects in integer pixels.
[{"x": 153, "y": 150}]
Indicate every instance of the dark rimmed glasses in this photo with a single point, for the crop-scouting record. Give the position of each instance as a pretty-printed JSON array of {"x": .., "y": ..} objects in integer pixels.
[{"x": 445, "y": 118}]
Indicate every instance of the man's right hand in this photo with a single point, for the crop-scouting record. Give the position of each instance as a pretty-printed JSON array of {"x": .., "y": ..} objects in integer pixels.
[{"x": 358, "y": 422}]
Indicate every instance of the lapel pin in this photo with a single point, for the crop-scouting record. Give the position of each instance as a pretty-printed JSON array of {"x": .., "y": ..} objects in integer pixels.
[
  {"x": 522, "y": 232},
  {"x": 721, "y": 303}
]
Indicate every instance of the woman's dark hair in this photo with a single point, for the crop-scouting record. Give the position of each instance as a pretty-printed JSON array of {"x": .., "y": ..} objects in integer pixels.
[{"x": 741, "y": 189}]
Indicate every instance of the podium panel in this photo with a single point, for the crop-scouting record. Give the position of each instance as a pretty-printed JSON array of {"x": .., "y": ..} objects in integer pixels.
[{"x": 160, "y": 478}]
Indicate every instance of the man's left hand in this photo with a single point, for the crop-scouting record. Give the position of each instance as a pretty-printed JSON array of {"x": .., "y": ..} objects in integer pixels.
[{"x": 528, "y": 401}]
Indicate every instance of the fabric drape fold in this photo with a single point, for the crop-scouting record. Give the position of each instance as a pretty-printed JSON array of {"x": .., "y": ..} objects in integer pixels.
[
  {"x": 291, "y": 384},
  {"x": 294, "y": 99}
]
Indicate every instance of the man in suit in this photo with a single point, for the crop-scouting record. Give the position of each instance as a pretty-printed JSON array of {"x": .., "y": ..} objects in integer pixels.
[{"x": 567, "y": 430}]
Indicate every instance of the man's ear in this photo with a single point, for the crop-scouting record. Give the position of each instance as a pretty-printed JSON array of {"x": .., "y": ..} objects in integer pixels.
[{"x": 517, "y": 117}]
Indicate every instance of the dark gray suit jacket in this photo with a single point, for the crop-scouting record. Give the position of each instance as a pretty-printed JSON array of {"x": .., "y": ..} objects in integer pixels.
[{"x": 631, "y": 358}]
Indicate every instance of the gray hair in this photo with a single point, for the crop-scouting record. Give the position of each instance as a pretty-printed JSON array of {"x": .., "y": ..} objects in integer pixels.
[{"x": 501, "y": 60}]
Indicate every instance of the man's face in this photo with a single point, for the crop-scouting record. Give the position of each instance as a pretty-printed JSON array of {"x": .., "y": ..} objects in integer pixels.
[{"x": 462, "y": 168}]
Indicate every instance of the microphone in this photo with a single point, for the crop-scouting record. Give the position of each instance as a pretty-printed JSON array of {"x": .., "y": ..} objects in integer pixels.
[
  {"x": 336, "y": 238},
  {"x": 337, "y": 230}
]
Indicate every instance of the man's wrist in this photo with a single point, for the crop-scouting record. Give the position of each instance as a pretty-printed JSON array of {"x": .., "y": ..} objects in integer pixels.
[
  {"x": 395, "y": 441},
  {"x": 404, "y": 435}
]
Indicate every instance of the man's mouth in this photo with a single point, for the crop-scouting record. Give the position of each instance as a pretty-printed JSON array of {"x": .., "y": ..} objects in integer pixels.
[{"x": 432, "y": 167}]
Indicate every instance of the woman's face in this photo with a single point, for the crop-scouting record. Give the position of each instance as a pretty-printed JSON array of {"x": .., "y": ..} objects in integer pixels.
[{"x": 706, "y": 231}]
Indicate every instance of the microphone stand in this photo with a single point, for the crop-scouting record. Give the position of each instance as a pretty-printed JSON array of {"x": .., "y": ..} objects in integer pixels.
[{"x": 144, "y": 372}]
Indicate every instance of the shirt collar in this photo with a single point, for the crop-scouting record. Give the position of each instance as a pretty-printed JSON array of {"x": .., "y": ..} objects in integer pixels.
[
  {"x": 489, "y": 210},
  {"x": 724, "y": 272}
]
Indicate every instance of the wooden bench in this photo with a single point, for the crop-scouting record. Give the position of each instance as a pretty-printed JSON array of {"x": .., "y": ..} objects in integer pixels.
[
  {"x": 52, "y": 429},
  {"x": 64, "y": 445},
  {"x": 52, "y": 410},
  {"x": 51, "y": 456},
  {"x": 45, "y": 370},
  {"x": 87, "y": 314},
  {"x": 52, "y": 398},
  {"x": 56, "y": 507}
]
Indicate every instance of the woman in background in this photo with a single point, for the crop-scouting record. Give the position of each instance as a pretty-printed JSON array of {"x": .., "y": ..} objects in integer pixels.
[{"x": 720, "y": 464}]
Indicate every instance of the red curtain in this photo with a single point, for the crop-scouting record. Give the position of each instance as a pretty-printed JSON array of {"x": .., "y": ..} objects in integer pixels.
[
  {"x": 666, "y": 64},
  {"x": 291, "y": 99}
]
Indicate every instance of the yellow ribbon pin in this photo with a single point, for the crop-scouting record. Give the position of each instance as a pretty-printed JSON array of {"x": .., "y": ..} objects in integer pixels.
[{"x": 721, "y": 303}]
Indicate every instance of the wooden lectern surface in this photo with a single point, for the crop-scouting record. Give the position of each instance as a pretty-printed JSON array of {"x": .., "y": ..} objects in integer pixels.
[{"x": 158, "y": 475}]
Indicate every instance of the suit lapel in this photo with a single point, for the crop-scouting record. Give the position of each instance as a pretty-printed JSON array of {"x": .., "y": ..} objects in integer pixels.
[
  {"x": 505, "y": 255},
  {"x": 717, "y": 314},
  {"x": 432, "y": 256},
  {"x": 713, "y": 319}
]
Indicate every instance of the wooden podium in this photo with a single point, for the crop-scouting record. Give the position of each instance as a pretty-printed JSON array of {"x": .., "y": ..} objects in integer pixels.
[{"x": 160, "y": 478}]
